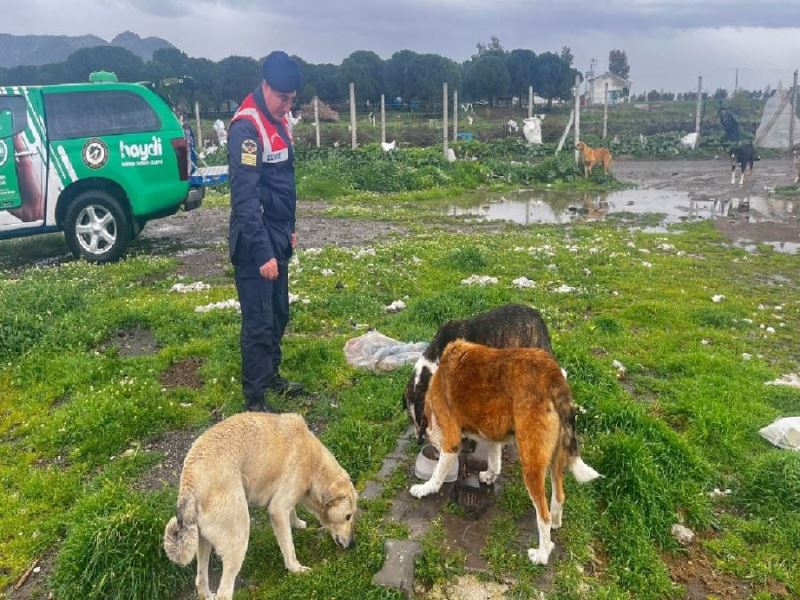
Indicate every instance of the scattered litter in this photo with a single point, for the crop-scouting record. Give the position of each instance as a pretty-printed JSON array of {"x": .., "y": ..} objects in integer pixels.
[
  {"x": 783, "y": 433},
  {"x": 704, "y": 342},
  {"x": 746, "y": 356},
  {"x": 683, "y": 534},
  {"x": 620, "y": 369},
  {"x": 395, "y": 306},
  {"x": 327, "y": 272},
  {"x": 295, "y": 298},
  {"x": 312, "y": 251},
  {"x": 718, "y": 493},
  {"x": 416, "y": 260},
  {"x": 792, "y": 380},
  {"x": 523, "y": 282},
  {"x": 378, "y": 352},
  {"x": 565, "y": 289},
  {"x": 666, "y": 247},
  {"x": 225, "y": 304},
  {"x": 717, "y": 298},
  {"x": 647, "y": 265},
  {"x": 362, "y": 252},
  {"x": 479, "y": 280},
  {"x": 185, "y": 288},
  {"x": 770, "y": 330}
]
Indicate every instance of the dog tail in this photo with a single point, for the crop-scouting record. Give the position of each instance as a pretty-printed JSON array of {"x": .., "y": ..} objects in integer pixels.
[
  {"x": 181, "y": 536},
  {"x": 569, "y": 441}
]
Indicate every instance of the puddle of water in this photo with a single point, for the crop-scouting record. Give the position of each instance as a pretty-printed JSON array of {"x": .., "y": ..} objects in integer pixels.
[
  {"x": 652, "y": 210},
  {"x": 530, "y": 207}
]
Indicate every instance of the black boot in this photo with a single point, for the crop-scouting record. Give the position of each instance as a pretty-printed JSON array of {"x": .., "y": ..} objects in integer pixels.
[
  {"x": 258, "y": 406},
  {"x": 284, "y": 387}
]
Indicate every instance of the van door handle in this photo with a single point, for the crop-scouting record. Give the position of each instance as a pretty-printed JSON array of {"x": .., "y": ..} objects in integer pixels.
[{"x": 25, "y": 153}]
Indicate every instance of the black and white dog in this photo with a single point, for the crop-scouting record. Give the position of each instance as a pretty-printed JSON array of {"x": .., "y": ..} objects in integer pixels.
[
  {"x": 510, "y": 326},
  {"x": 743, "y": 155}
]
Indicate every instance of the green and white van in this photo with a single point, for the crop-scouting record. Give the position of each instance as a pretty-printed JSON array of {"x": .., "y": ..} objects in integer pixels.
[{"x": 96, "y": 160}]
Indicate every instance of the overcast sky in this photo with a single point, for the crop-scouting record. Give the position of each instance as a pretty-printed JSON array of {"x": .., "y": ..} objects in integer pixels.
[{"x": 668, "y": 42}]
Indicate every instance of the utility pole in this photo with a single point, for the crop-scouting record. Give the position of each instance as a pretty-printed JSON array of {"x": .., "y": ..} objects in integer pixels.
[
  {"x": 794, "y": 111},
  {"x": 736, "y": 84},
  {"x": 353, "y": 115},
  {"x": 444, "y": 117},
  {"x": 605, "y": 111},
  {"x": 577, "y": 115}
]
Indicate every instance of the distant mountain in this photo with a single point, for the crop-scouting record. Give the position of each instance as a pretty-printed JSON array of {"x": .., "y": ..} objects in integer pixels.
[
  {"x": 18, "y": 50},
  {"x": 142, "y": 47}
]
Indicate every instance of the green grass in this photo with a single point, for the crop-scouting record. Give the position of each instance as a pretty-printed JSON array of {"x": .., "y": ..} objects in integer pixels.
[{"x": 683, "y": 421}]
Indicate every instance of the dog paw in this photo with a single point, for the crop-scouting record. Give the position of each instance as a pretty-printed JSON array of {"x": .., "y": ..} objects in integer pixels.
[
  {"x": 299, "y": 524},
  {"x": 298, "y": 568},
  {"x": 487, "y": 477},
  {"x": 420, "y": 490},
  {"x": 540, "y": 556}
]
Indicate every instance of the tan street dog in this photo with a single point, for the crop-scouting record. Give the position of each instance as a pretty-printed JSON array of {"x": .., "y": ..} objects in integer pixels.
[
  {"x": 259, "y": 459},
  {"x": 499, "y": 395},
  {"x": 592, "y": 157}
]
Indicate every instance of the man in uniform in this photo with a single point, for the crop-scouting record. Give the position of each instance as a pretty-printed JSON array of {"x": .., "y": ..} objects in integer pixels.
[{"x": 262, "y": 225}]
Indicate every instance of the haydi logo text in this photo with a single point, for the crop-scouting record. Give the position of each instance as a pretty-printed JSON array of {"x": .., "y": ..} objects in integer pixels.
[{"x": 141, "y": 152}]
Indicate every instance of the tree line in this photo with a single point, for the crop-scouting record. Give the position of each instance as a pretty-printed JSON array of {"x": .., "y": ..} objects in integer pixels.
[{"x": 490, "y": 74}]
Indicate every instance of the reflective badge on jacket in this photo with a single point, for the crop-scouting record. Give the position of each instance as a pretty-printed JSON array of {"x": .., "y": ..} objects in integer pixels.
[
  {"x": 249, "y": 150},
  {"x": 279, "y": 156}
]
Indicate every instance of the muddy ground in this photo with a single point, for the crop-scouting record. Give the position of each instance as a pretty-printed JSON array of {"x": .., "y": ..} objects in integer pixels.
[{"x": 199, "y": 237}]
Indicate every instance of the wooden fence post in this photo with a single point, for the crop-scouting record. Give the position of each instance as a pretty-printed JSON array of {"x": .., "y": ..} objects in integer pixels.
[
  {"x": 577, "y": 115},
  {"x": 353, "y": 143},
  {"x": 316, "y": 118},
  {"x": 444, "y": 117},
  {"x": 530, "y": 101},
  {"x": 699, "y": 110},
  {"x": 455, "y": 115},
  {"x": 383, "y": 119}
]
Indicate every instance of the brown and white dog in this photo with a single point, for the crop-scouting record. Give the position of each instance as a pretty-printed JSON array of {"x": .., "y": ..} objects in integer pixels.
[
  {"x": 509, "y": 326},
  {"x": 498, "y": 395},
  {"x": 592, "y": 157}
]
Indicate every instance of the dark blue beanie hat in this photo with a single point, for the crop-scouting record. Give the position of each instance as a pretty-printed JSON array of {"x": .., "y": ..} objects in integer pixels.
[{"x": 281, "y": 72}]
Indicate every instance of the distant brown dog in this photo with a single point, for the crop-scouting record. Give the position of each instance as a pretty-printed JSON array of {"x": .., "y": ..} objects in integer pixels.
[
  {"x": 499, "y": 395},
  {"x": 264, "y": 460},
  {"x": 592, "y": 157}
]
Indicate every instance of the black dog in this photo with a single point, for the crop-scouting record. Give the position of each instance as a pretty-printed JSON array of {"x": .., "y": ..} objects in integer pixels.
[
  {"x": 510, "y": 326},
  {"x": 743, "y": 155}
]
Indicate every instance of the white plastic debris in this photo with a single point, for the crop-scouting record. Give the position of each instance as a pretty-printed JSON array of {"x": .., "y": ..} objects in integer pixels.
[
  {"x": 718, "y": 493},
  {"x": 185, "y": 288},
  {"x": 565, "y": 289},
  {"x": 326, "y": 272},
  {"x": 479, "y": 280},
  {"x": 717, "y": 298},
  {"x": 620, "y": 369},
  {"x": 791, "y": 380},
  {"x": 783, "y": 433},
  {"x": 689, "y": 140},
  {"x": 395, "y": 306},
  {"x": 224, "y": 305},
  {"x": 683, "y": 534},
  {"x": 523, "y": 282},
  {"x": 362, "y": 252},
  {"x": 746, "y": 356},
  {"x": 378, "y": 352},
  {"x": 293, "y": 298}
]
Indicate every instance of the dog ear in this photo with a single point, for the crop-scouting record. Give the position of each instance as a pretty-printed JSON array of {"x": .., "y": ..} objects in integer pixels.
[{"x": 331, "y": 496}]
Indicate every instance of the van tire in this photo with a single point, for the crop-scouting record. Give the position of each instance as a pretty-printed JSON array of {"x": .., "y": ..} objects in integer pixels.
[{"x": 96, "y": 227}]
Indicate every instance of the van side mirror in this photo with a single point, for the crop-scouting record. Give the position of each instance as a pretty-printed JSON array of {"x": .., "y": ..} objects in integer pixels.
[{"x": 6, "y": 124}]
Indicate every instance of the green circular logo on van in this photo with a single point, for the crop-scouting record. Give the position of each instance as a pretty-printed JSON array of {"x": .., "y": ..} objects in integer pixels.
[
  {"x": 95, "y": 153},
  {"x": 3, "y": 153}
]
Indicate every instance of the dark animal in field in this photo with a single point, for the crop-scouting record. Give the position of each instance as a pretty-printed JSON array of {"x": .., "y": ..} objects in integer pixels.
[{"x": 742, "y": 156}]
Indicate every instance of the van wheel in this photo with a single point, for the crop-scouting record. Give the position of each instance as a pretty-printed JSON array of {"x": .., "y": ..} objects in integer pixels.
[{"x": 96, "y": 227}]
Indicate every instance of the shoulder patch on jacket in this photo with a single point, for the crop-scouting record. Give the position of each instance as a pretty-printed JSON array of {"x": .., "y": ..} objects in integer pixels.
[{"x": 249, "y": 149}]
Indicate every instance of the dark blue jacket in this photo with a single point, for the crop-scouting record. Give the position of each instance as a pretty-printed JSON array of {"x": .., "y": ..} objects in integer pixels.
[{"x": 263, "y": 194}]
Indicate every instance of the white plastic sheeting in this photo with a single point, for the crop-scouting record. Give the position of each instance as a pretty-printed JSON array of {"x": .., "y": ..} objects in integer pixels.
[{"x": 378, "y": 352}]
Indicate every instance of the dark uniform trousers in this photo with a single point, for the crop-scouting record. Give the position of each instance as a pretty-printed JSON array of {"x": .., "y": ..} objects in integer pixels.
[{"x": 265, "y": 313}]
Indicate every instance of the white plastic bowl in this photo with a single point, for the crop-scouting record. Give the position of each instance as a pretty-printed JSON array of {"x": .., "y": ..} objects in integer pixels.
[{"x": 426, "y": 462}]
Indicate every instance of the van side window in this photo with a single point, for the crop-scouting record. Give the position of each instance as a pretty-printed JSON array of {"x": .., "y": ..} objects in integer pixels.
[
  {"x": 16, "y": 104},
  {"x": 93, "y": 114}
]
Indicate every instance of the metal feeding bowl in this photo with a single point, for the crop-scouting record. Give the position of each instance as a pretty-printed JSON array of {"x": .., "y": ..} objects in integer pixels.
[{"x": 426, "y": 462}]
